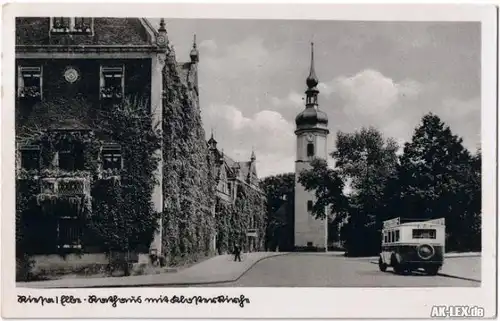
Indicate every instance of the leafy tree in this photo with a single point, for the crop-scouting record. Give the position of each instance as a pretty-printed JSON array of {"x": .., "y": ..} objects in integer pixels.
[
  {"x": 438, "y": 177},
  {"x": 328, "y": 187},
  {"x": 279, "y": 191},
  {"x": 367, "y": 161}
]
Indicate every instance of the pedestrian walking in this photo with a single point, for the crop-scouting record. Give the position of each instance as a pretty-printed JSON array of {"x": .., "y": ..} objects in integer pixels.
[{"x": 237, "y": 253}]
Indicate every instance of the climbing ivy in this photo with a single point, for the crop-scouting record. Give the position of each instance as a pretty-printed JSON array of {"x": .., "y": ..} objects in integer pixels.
[
  {"x": 234, "y": 219},
  {"x": 188, "y": 184},
  {"x": 119, "y": 198}
]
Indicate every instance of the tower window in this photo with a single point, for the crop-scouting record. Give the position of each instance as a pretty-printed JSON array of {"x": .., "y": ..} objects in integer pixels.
[
  {"x": 309, "y": 206},
  {"x": 310, "y": 149}
]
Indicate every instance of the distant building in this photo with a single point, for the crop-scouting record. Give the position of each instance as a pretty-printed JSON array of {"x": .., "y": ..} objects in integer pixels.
[
  {"x": 230, "y": 174},
  {"x": 312, "y": 132}
]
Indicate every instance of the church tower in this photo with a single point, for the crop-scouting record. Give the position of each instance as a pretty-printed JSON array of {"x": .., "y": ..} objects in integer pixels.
[{"x": 312, "y": 132}]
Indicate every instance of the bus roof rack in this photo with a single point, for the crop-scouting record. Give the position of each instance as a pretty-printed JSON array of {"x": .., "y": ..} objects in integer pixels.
[{"x": 398, "y": 221}]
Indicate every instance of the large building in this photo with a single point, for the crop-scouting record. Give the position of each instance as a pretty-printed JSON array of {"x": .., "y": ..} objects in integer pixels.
[
  {"x": 312, "y": 132},
  {"x": 72, "y": 70}
]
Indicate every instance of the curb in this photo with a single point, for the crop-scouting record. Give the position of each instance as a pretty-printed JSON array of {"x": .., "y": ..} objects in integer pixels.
[
  {"x": 162, "y": 284},
  {"x": 451, "y": 276},
  {"x": 447, "y": 255}
]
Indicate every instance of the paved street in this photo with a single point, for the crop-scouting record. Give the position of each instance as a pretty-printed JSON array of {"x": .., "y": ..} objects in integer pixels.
[
  {"x": 271, "y": 269},
  {"x": 317, "y": 270}
]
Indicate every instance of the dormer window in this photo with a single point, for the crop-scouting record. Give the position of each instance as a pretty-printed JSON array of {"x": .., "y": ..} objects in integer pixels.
[
  {"x": 29, "y": 82},
  {"x": 73, "y": 25},
  {"x": 83, "y": 25},
  {"x": 112, "y": 82}
]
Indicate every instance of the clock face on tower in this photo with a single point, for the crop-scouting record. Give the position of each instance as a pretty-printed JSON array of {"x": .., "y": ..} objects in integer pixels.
[{"x": 310, "y": 137}]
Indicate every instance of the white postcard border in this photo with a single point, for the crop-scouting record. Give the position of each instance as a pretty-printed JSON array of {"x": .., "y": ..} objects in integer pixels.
[{"x": 264, "y": 302}]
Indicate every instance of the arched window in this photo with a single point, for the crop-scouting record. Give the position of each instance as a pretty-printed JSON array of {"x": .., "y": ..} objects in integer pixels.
[{"x": 310, "y": 150}]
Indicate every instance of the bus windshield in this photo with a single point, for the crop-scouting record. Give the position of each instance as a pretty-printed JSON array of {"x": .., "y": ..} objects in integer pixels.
[{"x": 424, "y": 233}]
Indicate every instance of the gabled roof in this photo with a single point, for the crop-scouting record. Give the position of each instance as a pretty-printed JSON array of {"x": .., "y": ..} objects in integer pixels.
[{"x": 107, "y": 32}]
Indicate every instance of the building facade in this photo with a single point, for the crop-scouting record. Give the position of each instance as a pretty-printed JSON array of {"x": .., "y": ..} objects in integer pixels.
[
  {"x": 70, "y": 72},
  {"x": 312, "y": 132},
  {"x": 231, "y": 176}
]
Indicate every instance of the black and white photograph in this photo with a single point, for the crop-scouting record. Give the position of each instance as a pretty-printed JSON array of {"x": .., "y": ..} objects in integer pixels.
[{"x": 156, "y": 153}]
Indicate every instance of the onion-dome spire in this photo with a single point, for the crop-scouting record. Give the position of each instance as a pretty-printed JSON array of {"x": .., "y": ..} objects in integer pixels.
[
  {"x": 194, "y": 54},
  {"x": 311, "y": 116},
  {"x": 312, "y": 79}
]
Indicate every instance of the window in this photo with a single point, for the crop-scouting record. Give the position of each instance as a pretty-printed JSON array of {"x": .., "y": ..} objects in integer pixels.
[
  {"x": 112, "y": 82},
  {"x": 310, "y": 149},
  {"x": 111, "y": 157},
  {"x": 73, "y": 25},
  {"x": 69, "y": 231},
  {"x": 30, "y": 157},
  {"x": 71, "y": 158},
  {"x": 29, "y": 82},
  {"x": 252, "y": 222},
  {"x": 309, "y": 244},
  {"x": 309, "y": 206},
  {"x": 397, "y": 236},
  {"x": 386, "y": 237},
  {"x": 83, "y": 25},
  {"x": 424, "y": 234},
  {"x": 69, "y": 226}
]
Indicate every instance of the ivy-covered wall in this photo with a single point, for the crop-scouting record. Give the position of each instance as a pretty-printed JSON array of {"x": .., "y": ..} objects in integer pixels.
[
  {"x": 233, "y": 220},
  {"x": 188, "y": 184}
]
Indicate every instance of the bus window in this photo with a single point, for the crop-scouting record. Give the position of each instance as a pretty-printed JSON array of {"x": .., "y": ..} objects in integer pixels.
[
  {"x": 397, "y": 235},
  {"x": 424, "y": 233}
]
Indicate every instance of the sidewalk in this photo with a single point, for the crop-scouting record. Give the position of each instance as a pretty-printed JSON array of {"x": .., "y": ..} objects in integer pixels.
[{"x": 218, "y": 269}]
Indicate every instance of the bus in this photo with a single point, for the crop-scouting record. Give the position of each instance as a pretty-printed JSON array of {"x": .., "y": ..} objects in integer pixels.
[{"x": 409, "y": 245}]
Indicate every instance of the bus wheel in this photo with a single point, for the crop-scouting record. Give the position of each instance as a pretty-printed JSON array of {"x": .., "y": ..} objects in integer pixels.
[
  {"x": 399, "y": 269},
  {"x": 381, "y": 265},
  {"x": 432, "y": 270}
]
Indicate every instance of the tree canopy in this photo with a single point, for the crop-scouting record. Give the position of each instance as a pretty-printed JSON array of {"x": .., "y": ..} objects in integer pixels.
[{"x": 434, "y": 177}]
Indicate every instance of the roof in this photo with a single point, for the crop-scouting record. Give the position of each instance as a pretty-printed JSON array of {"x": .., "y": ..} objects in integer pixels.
[
  {"x": 107, "y": 31},
  {"x": 238, "y": 170}
]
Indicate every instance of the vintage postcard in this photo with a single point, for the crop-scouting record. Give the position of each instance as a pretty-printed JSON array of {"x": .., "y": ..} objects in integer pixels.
[{"x": 249, "y": 161}]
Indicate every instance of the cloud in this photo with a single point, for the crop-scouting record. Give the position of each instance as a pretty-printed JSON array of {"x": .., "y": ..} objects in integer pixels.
[
  {"x": 245, "y": 57},
  {"x": 370, "y": 92},
  {"x": 293, "y": 100},
  {"x": 208, "y": 45},
  {"x": 266, "y": 132}
]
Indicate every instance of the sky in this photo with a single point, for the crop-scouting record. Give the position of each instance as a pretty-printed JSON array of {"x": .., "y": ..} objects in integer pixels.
[{"x": 383, "y": 74}]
